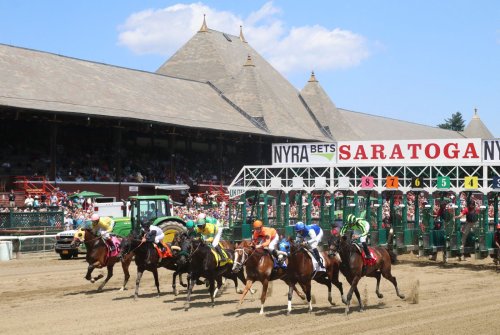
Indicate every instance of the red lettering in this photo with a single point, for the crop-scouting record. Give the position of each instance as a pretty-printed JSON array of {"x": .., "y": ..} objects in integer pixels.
[
  {"x": 396, "y": 151},
  {"x": 470, "y": 151},
  {"x": 344, "y": 152},
  {"x": 360, "y": 152},
  {"x": 378, "y": 149},
  {"x": 427, "y": 150},
  {"x": 413, "y": 148},
  {"x": 454, "y": 152}
]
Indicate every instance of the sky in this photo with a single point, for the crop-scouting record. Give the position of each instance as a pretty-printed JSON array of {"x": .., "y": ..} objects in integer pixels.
[{"x": 413, "y": 60}]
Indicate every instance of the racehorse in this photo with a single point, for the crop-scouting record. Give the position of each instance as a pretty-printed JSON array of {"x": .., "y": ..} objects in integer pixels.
[
  {"x": 97, "y": 257},
  {"x": 146, "y": 259},
  {"x": 301, "y": 270},
  {"x": 259, "y": 266},
  {"x": 203, "y": 263},
  {"x": 353, "y": 267}
]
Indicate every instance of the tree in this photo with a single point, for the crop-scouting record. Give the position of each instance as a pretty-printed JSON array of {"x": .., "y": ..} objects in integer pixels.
[{"x": 455, "y": 122}]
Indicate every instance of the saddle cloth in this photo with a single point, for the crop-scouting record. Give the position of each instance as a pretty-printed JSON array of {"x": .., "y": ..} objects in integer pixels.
[
  {"x": 316, "y": 266},
  {"x": 221, "y": 262},
  {"x": 163, "y": 254},
  {"x": 371, "y": 261},
  {"x": 116, "y": 242}
]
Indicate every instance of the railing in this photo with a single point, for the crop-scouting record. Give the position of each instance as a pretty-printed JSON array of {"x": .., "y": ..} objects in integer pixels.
[{"x": 52, "y": 218}]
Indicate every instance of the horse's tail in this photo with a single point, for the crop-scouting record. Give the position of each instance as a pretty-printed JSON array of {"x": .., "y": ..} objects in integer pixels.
[{"x": 392, "y": 254}]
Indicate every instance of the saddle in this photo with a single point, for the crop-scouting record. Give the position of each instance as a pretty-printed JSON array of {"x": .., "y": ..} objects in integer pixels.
[
  {"x": 317, "y": 266},
  {"x": 221, "y": 262},
  {"x": 163, "y": 254},
  {"x": 366, "y": 262}
]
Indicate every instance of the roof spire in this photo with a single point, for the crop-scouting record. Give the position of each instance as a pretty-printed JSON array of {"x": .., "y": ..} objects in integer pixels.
[
  {"x": 313, "y": 78},
  {"x": 242, "y": 38},
  {"x": 249, "y": 61},
  {"x": 204, "y": 27},
  {"x": 475, "y": 116}
]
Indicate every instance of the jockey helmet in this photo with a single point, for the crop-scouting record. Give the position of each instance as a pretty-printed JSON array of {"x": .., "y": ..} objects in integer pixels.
[
  {"x": 190, "y": 224},
  {"x": 257, "y": 224},
  {"x": 351, "y": 218},
  {"x": 201, "y": 222},
  {"x": 145, "y": 224},
  {"x": 300, "y": 226},
  {"x": 202, "y": 216},
  {"x": 498, "y": 225},
  {"x": 94, "y": 217}
]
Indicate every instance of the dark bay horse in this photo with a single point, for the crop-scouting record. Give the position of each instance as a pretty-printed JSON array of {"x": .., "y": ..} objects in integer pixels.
[
  {"x": 301, "y": 270},
  {"x": 353, "y": 268},
  {"x": 259, "y": 266},
  {"x": 146, "y": 259},
  {"x": 97, "y": 257},
  {"x": 203, "y": 263}
]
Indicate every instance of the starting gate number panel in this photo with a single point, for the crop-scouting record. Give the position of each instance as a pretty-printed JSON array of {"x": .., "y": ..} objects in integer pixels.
[
  {"x": 471, "y": 182},
  {"x": 367, "y": 182},
  {"x": 443, "y": 182},
  {"x": 416, "y": 182},
  {"x": 496, "y": 182},
  {"x": 392, "y": 182}
]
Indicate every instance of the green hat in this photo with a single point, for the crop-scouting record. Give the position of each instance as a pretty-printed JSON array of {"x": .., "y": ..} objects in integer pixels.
[
  {"x": 190, "y": 224},
  {"x": 351, "y": 218},
  {"x": 201, "y": 222}
]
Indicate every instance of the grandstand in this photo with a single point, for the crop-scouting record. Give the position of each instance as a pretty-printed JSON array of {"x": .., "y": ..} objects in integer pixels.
[{"x": 213, "y": 107}]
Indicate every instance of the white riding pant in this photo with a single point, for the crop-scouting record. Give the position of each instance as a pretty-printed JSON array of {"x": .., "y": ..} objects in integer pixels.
[
  {"x": 313, "y": 243},
  {"x": 217, "y": 237},
  {"x": 274, "y": 243}
]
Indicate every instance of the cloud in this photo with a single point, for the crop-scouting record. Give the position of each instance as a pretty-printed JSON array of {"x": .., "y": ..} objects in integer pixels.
[{"x": 290, "y": 50}]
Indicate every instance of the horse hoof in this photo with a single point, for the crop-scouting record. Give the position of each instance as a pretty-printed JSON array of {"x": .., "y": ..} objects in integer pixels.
[
  {"x": 176, "y": 293},
  {"x": 92, "y": 280},
  {"x": 239, "y": 291},
  {"x": 288, "y": 313},
  {"x": 380, "y": 295},
  {"x": 402, "y": 296}
]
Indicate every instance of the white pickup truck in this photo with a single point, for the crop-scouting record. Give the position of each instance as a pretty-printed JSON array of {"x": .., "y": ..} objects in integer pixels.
[{"x": 63, "y": 239}]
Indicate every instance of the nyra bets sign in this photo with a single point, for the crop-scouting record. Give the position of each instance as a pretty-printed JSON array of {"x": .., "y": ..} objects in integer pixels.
[
  {"x": 441, "y": 151},
  {"x": 288, "y": 154}
]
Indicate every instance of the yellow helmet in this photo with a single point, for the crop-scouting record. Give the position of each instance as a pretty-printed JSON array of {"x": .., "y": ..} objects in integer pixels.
[{"x": 257, "y": 224}]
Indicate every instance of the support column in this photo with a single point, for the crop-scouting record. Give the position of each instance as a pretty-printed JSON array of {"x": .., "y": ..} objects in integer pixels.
[
  {"x": 117, "y": 137},
  {"x": 53, "y": 151},
  {"x": 322, "y": 222},
  {"x": 265, "y": 215},
  {"x": 308, "y": 208},
  {"x": 286, "y": 212}
]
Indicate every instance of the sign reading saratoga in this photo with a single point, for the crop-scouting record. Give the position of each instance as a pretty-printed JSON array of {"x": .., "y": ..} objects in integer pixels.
[
  {"x": 285, "y": 154},
  {"x": 435, "y": 151}
]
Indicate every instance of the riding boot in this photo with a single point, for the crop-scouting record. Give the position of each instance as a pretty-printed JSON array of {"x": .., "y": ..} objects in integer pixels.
[
  {"x": 318, "y": 257},
  {"x": 219, "y": 251},
  {"x": 274, "y": 255},
  {"x": 367, "y": 252},
  {"x": 161, "y": 246}
]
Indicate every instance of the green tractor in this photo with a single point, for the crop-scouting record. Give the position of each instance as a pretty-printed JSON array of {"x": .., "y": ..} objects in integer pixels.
[{"x": 156, "y": 209}]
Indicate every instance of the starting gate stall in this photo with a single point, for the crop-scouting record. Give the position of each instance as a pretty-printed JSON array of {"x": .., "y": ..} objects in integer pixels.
[{"x": 394, "y": 170}]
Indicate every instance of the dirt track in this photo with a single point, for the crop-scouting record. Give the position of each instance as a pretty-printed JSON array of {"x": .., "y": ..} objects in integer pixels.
[{"x": 44, "y": 295}]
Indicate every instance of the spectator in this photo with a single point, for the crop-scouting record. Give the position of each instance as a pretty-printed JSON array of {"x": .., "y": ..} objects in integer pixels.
[
  {"x": 471, "y": 214},
  {"x": 28, "y": 202},
  {"x": 12, "y": 199}
]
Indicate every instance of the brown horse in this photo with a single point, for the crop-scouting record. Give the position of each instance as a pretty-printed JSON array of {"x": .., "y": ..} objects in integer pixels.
[
  {"x": 97, "y": 257},
  {"x": 353, "y": 267},
  {"x": 301, "y": 270},
  {"x": 258, "y": 265}
]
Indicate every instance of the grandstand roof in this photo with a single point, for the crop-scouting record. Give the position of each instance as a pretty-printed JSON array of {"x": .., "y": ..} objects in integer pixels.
[
  {"x": 215, "y": 81},
  {"x": 476, "y": 128}
]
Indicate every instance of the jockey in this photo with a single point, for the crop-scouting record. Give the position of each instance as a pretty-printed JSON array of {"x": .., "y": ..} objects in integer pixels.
[
  {"x": 190, "y": 229},
  {"x": 210, "y": 233},
  {"x": 103, "y": 226},
  {"x": 152, "y": 234},
  {"x": 264, "y": 237},
  {"x": 312, "y": 235},
  {"x": 361, "y": 227}
]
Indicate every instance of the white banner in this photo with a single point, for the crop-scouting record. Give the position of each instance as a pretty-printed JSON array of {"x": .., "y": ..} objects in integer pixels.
[
  {"x": 491, "y": 151},
  {"x": 293, "y": 154},
  {"x": 441, "y": 151}
]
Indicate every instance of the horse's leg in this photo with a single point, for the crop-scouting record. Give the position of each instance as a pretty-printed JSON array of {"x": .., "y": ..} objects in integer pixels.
[
  {"x": 387, "y": 275},
  {"x": 88, "y": 276},
  {"x": 241, "y": 276},
  {"x": 248, "y": 285},
  {"x": 157, "y": 282},
  {"x": 265, "y": 284},
  {"x": 140, "y": 271},
  {"x": 220, "y": 282},
  {"x": 291, "y": 288},
  {"x": 306, "y": 287},
  {"x": 211, "y": 282},
  {"x": 326, "y": 281},
  {"x": 354, "y": 287},
  {"x": 108, "y": 276},
  {"x": 191, "y": 282},
  {"x": 125, "y": 265},
  {"x": 377, "y": 276},
  {"x": 338, "y": 284},
  {"x": 181, "y": 281},
  {"x": 174, "y": 287},
  {"x": 300, "y": 294}
]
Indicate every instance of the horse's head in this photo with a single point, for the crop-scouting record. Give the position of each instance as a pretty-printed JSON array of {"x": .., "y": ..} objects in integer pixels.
[
  {"x": 241, "y": 252},
  {"x": 184, "y": 251},
  {"x": 333, "y": 244},
  {"x": 78, "y": 238}
]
